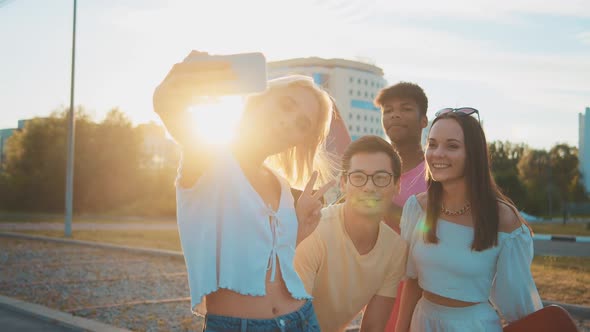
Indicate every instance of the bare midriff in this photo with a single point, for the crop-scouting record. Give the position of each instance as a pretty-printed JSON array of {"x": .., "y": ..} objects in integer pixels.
[
  {"x": 277, "y": 301},
  {"x": 445, "y": 301}
]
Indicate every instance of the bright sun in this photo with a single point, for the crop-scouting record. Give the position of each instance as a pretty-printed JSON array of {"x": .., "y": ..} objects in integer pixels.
[{"x": 215, "y": 121}]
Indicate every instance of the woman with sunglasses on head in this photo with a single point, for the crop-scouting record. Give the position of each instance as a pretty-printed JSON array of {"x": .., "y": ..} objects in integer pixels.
[
  {"x": 468, "y": 245},
  {"x": 237, "y": 220}
]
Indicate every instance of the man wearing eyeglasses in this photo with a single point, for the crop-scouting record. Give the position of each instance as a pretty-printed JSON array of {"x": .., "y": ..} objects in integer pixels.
[{"x": 353, "y": 259}]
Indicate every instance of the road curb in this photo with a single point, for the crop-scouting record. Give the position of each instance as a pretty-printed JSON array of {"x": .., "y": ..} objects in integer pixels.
[
  {"x": 139, "y": 250},
  {"x": 563, "y": 238},
  {"x": 57, "y": 317}
]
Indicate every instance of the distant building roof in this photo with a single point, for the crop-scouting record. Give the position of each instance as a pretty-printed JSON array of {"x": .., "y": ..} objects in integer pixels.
[{"x": 330, "y": 63}]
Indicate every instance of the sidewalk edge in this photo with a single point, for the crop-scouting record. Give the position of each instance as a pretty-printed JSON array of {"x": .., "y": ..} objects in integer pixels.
[{"x": 58, "y": 317}]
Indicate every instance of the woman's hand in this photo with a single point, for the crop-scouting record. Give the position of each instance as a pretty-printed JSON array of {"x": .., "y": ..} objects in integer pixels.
[
  {"x": 187, "y": 79},
  {"x": 309, "y": 206},
  {"x": 179, "y": 89}
]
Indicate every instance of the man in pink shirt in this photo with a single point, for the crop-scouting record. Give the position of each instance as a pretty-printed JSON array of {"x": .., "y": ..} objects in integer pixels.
[{"x": 403, "y": 107}]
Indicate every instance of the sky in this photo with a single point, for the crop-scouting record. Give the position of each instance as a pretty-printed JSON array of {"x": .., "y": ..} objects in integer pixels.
[{"x": 525, "y": 64}]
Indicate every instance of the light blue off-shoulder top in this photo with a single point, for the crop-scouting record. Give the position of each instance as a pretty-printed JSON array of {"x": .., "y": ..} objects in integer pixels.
[
  {"x": 501, "y": 274},
  {"x": 230, "y": 238}
]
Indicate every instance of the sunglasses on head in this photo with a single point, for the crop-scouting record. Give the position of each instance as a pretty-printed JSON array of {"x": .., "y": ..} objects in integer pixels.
[{"x": 460, "y": 110}]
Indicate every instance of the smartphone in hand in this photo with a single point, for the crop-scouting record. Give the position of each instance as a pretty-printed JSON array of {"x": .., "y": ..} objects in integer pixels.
[{"x": 249, "y": 73}]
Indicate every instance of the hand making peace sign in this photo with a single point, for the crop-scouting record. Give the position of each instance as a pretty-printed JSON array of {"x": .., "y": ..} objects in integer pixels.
[{"x": 308, "y": 207}]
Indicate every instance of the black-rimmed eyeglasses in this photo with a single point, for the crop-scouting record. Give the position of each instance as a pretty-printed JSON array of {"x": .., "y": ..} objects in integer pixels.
[
  {"x": 460, "y": 110},
  {"x": 359, "y": 179}
]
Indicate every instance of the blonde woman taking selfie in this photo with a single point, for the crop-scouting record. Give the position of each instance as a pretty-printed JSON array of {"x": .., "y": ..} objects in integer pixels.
[{"x": 237, "y": 218}]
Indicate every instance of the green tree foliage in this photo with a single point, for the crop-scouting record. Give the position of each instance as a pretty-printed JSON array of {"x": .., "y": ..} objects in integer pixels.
[
  {"x": 534, "y": 172},
  {"x": 35, "y": 165},
  {"x": 504, "y": 162},
  {"x": 566, "y": 176},
  {"x": 551, "y": 178},
  {"x": 111, "y": 172},
  {"x": 127, "y": 170}
]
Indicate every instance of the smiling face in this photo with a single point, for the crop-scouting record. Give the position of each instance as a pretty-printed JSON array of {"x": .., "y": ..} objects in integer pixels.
[
  {"x": 402, "y": 120},
  {"x": 369, "y": 199},
  {"x": 445, "y": 151},
  {"x": 285, "y": 118}
]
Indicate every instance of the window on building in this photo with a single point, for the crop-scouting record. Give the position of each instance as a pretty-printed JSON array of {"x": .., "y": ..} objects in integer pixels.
[
  {"x": 365, "y": 130},
  {"x": 371, "y": 130},
  {"x": 350, "y": 115},
  {"x": 351, "y": 79},
  {"x": 350, "y": 92},
  {"x": 358, "y": 93},
  {"x": 358, "y": 117},
  {"x": 366, "y": 82},
  {"x": 365, "y": 118},
  {"x": 358, "y": 80},
  {"x": 358, "y": 128},
  {"x": 349, "y": 128}
]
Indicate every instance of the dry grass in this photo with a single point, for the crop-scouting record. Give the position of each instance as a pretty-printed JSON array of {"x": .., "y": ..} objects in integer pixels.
[
  {"x": 582, "y": 229},
  {"x": 559, "y": 279},
  {"x": 563, "y": 279}
]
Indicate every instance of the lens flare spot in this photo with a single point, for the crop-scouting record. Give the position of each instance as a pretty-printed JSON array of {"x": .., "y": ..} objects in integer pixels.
[
  {"x": 215, "y": 120},
  {"x": 423, "y": 227}
]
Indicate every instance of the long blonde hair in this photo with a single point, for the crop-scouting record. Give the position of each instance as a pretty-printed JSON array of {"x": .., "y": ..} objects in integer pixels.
[{"x": 298, "y": 163}]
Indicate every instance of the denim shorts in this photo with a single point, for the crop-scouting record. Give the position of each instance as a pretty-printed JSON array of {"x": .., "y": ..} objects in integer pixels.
[{"x": 302, "y": 320}]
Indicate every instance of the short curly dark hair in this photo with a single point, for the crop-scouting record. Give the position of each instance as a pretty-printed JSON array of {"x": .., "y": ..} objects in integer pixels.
[{"x": 403, "y": 90}]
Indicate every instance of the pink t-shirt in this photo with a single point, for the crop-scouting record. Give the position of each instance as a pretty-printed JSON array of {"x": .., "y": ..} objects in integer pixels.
[{"x": 412, "y": 182}]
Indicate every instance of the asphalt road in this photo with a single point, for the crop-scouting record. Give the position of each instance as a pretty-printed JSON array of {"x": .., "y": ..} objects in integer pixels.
[
  {"x": 562, "y": 248},
  {"x": 19, "y": 322}
]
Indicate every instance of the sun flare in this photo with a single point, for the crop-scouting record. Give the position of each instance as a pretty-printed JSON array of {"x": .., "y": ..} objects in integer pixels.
[{"x": 216, "y": 120}]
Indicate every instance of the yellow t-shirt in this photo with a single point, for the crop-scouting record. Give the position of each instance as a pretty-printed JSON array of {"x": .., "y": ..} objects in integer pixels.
[{"x": 341, "y": 281}]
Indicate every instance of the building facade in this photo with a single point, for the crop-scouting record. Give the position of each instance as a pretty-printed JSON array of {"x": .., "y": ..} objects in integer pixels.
[
  {"x": 353, "y": 85},
  {"x": 584, "y": 146}
]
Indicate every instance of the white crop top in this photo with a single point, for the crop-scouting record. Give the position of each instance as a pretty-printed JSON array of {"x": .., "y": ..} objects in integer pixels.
[
  {"x": 230, "y": 238},
  {"x": 451, "y": 269}
]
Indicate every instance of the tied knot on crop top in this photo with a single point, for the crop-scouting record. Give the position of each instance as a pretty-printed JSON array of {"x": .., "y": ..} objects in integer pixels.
[
  {"x": 230, "y": 238},
  {"x": 500, "y": 274},
  {"x": 274, "y": 228}
]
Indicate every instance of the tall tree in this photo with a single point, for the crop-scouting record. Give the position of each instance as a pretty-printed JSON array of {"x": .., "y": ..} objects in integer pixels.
[
  {"x": 504, "y": 162},
  {"x": 565, "y": 173},
  {"x": 534, "y": 170}
]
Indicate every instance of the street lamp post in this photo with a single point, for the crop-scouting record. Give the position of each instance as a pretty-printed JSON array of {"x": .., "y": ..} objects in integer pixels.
[{"x": 71, "y": 140}]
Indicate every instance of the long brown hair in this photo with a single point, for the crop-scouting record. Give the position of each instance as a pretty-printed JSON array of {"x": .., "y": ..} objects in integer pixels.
[{"x": 482, "y": 191}]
